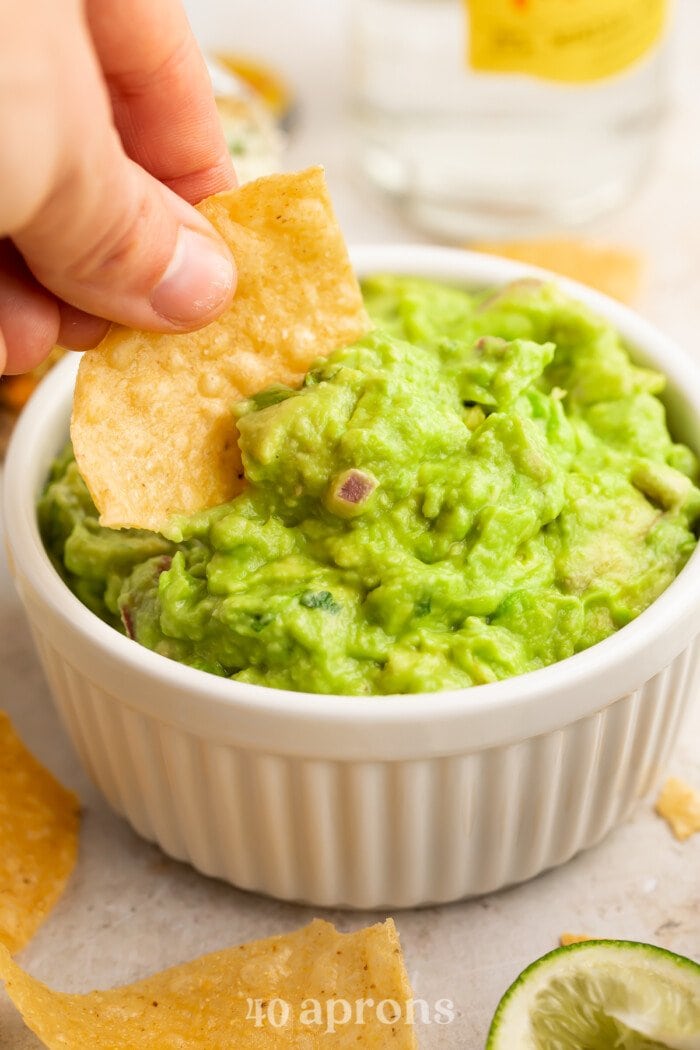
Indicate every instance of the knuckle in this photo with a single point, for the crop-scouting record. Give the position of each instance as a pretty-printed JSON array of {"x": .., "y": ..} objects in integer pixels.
[{"x": 116, "y": 250}]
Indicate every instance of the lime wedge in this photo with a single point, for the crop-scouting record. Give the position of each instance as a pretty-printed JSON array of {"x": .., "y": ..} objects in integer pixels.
[{"x": 600, "y": 995}]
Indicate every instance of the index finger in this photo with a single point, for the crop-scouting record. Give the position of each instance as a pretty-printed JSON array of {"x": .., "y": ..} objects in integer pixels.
[{"x": 161, "y": 94}]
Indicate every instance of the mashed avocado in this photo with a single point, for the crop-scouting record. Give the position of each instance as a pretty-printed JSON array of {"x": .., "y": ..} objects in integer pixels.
[{"x": 484, "y": 485}]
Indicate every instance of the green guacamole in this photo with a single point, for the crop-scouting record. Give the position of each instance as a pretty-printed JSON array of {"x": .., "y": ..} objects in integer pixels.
[{"x": 482, "y": 486}]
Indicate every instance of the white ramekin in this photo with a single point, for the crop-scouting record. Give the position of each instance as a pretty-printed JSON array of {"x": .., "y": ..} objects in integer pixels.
[{"x": 365, "y": 802}]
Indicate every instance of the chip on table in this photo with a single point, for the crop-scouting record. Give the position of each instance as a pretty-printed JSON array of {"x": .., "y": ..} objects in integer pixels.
[
  {"x": 152, "y": 428},
  {"x": 616, "y": 271},
  {"x": 566, "y": 939},
  {"x": 39, "y": 821},
  {"x": 283, "y": 992},
  {"x": 679, "y": 805}
]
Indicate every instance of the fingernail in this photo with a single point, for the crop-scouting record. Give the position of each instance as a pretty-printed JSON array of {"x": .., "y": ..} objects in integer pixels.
[{"x": 198, "y": 279}]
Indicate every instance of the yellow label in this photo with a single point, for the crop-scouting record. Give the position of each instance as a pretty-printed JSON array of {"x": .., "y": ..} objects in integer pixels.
[{"x": 568, "y": 40}]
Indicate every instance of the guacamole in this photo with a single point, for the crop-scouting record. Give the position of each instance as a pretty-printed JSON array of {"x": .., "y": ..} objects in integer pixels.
[{"x": 482, "y": 486}]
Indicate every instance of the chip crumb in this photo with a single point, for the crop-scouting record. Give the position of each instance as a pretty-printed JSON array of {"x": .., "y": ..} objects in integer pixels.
[
  {"x": 679, "y": 805},
  {"x": 39, "y": 821},
  {"x": 616, "y": 271},
  {"x": 573, "y": 938}
]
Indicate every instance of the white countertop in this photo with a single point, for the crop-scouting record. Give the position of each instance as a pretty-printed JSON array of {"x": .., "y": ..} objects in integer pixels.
[{"x": 128, "y": 910}]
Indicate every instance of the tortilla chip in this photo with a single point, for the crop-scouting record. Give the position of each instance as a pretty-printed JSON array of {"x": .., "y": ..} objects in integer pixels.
[
  {"x": 38, "y": 839},
  {"x": 615, "y": 271},
  {"x": 679, "y": 805},
  {"x": 235, "y": 998},
  {"x": 15, "y": 391},
  {"x": 573, "y": 938},
  {"x": 152, "y": 426}
]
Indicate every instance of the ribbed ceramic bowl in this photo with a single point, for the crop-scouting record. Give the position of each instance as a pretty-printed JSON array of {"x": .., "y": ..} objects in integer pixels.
[{"x": 365, "y": 802}]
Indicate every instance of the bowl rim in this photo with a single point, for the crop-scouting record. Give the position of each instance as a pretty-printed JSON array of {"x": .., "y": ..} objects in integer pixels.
[{"x": 511, "y": 709}]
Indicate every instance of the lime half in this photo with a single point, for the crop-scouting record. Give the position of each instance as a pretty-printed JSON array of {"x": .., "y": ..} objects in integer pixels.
[{"x": 600, "y": 995}]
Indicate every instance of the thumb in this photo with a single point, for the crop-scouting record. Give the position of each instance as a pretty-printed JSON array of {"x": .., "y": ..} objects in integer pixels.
[{"x": 113, "y": 241}]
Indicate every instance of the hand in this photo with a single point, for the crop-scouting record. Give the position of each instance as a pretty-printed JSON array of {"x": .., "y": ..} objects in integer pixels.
[{"x": 108, "y": 128}]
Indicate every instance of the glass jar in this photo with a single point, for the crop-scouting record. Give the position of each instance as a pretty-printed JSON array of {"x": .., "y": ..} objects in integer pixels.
[{"x": 484, "y": 124}]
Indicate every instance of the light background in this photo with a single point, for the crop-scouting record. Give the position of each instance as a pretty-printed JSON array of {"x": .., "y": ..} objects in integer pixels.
[{"x": 129, "y": 910}]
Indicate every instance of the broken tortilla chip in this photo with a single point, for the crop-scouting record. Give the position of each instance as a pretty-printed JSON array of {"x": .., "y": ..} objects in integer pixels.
[
  {"x": 679, "y": 805},
  {"x": 573, "y": 938},
  {"x": 38, "y": 839},
  {"x": 615, "y": 271},
  {"x": 152, "y": 426},
  {"x": 300, "y": 990}
]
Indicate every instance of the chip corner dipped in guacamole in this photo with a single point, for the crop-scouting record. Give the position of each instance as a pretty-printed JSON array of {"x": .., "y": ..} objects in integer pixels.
[{"x": 482, "y": 486}]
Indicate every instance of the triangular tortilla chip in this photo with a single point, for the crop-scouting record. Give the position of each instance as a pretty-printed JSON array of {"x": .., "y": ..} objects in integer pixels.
[
  {"x": 616, "y": 271},
  {"x": 152, "y": 425},
  {"x": 277, "y": 994}
]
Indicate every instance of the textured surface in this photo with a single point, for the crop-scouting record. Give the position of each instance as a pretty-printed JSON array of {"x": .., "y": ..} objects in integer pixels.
[
  {"x": 425, "y": 831},
  {"x": 130, "y": 911}
]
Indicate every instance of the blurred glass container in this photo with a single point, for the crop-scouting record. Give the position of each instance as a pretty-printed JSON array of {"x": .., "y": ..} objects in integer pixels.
[{"x": 484, "y": 125}]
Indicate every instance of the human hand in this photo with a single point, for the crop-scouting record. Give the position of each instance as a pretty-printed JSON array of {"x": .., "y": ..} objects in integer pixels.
[{"x": 108, "y": 128}]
